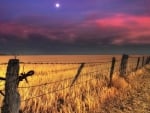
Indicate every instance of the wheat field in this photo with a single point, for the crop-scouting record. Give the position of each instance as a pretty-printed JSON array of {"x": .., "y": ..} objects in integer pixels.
[{"x": 49, "y": 90}]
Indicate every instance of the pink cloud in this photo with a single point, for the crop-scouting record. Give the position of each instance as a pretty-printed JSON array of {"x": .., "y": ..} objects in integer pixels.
[
  {"x": 23, "y": 31},
  {"x": 125, "y": 21},
  {"x": 116, "y": 29},
  {"x": 133, "y": 28}
]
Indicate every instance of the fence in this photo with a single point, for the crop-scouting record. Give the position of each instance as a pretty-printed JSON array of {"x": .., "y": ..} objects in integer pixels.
[{"x": 11, "y": 102}]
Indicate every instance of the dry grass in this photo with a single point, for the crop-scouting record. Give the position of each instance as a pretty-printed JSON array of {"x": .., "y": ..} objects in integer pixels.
[
  {"x": 89, "y": 94},
  {"x": 133, "y": 94}
]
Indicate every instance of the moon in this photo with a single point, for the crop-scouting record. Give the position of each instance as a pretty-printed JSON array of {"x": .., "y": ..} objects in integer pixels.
[{"x": 57, "y": 5}]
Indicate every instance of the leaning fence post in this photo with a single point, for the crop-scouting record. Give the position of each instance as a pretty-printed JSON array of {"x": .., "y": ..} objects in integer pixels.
[
  {"x": 78, "y": 73},
  {"x": 123, "y": 65},
  {"x": 11, "y": 100},
  {"x": 112, "y": 71},
  {"x": 137, "y": 65}
]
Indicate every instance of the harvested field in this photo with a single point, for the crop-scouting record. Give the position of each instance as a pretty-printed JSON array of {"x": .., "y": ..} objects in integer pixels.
[{"x": 49, "y": 90}]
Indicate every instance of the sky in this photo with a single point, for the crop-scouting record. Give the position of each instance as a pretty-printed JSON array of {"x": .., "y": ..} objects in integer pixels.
[{"x": 76, "y": 27}]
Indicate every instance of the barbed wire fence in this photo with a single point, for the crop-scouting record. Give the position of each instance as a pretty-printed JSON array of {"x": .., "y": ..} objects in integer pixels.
[{"x": 124, "y": 66}]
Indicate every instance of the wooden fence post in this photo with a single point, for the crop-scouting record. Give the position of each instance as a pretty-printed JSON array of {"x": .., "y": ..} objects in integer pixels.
[
  {"x": 123, "y": 65},
  {"x": 143, "y": 61},
  {"x": 137, "y": 65},
  {"x": 112, "y": 71},
  {"x": 11, "y": 100},
  {"x": 78, "y": 73},
  {"x": 147, "y": 60}
]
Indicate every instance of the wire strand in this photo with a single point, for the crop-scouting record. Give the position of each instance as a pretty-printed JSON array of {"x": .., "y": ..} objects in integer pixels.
[
  {"x": 54, "y": 91},
  {"x": 48, "y": 83}
]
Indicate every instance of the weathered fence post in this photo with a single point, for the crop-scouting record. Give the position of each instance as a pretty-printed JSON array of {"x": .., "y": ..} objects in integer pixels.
[
  {"x": 123, "y": 65},
  {"x": 137, "y": 65},
  {"x": 78, "y": 73},
  {"x": 11, "y": 100},
  {"x": 147, "y": 60},
  {"x": 143, "y": 61},
  {"x": 112, "y": 71}
]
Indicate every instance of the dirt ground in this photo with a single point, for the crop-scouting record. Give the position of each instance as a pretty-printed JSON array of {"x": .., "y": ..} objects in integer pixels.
[{"x": 135, "y": 98}]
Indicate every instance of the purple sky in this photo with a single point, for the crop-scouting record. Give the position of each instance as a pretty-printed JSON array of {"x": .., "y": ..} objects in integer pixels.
[{"x": 78, "y": 26}]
